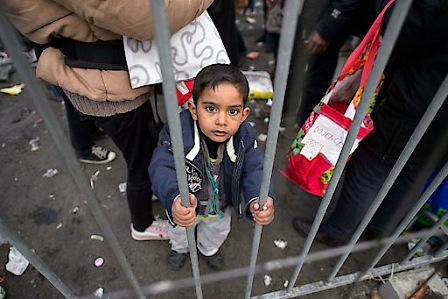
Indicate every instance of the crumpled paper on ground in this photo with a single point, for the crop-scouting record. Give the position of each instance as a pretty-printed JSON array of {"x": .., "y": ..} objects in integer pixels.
[{"x": 17, "y": 263}]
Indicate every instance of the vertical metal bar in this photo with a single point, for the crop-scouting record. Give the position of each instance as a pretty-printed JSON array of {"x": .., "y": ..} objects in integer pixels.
[
  {"x": 390, "y": 36},
  {"x": 411, "y": 214},
  {"x": 37, "y": 263},
  {"x": 10, "y": 40},
  {"x": 439, "y": 224},
  {"x": 284, "y": 57},
  {"x": 162, "y": 37}
]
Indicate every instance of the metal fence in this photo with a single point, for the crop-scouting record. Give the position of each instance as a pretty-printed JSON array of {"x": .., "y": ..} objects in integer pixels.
[{"x": 370, "y": 270}]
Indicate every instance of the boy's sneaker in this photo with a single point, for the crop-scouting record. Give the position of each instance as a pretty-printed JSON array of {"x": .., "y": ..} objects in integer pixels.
[
  {"x": 176, "y": 260},
  {"x": 98, "y": 155},
  {"x": 157, "y": 231},
  {"x": 215, "y": 261}
]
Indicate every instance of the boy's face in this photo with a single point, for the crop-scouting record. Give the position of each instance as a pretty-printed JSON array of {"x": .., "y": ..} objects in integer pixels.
[{"x": 219, "y": 112}]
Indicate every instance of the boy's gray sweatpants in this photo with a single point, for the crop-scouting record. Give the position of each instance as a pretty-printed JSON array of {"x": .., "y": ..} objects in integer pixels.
[{"x": 211, "y": 234}]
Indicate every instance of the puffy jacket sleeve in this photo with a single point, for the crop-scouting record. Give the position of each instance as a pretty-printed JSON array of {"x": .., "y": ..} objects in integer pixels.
[
  {"x": 133, "y": 18},
  {"x": 41, "y": 20},
  {"x": 162, "y": 172},
  {"x": 90, "y": 20},
  {"x": 337, "y": 17}
]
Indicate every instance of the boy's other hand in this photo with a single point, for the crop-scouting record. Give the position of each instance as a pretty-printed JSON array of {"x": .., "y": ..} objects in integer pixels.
[
  {"x": 266, "y": 214},
  {"x": 184, "y": 216}
]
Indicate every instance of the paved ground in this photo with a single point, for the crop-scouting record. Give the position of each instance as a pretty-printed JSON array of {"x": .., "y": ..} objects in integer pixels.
[{"x": 42, "y": 211}]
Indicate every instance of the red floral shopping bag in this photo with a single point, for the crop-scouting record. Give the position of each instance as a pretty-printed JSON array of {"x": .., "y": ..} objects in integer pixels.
[{"x": 316, "y": 149}]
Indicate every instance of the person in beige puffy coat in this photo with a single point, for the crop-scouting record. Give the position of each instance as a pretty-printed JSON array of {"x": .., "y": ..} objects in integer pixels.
[{"x": 83, "y": 53}]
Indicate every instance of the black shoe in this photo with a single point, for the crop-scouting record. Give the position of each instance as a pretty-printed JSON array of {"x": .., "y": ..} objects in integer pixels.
[
  {"x": 176, "y": 260},
  {"x": 98, "y": 155},
  {"x": 215, "y": 261},
  {"x": 261, "y": 39},
  {"x": 369, "y": 235},
  {"x": 303, "y": 227}
]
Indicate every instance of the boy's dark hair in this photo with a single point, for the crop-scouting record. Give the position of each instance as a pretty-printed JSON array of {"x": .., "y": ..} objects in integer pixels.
[{"x": 215, "y": 74}]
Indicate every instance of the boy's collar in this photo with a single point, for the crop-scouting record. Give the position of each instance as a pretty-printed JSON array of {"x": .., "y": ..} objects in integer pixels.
[{"x": 197, "y": 145}]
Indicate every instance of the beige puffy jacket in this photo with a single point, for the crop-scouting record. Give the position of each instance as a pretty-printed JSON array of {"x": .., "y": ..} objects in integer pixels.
[{"x": 90, "y": 21}]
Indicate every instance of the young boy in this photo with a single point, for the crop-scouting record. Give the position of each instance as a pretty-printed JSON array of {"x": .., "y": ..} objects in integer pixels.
[{"x": 222, "y": 161}]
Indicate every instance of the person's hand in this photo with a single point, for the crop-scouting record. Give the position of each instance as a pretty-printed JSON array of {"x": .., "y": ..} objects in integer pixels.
[
  {"x": 184, "y": 216},
  {"x": 266, "y": 214},
  {"x": 270, "y": 3},
  {"x": 316, "y": 44}
]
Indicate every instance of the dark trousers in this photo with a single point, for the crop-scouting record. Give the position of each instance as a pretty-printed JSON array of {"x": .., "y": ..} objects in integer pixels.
[
  {"x": 273, "y": 40},
  {"x": 133, "y": 134},
  {"x": 309, "y": 75},
  {"x": 82, "y": 128},
  {"x": 364, "y": 177},
  {"x": 222, "y": 12}
]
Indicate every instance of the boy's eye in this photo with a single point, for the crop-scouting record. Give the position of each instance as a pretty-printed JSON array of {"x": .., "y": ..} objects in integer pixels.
[
  {"x": 210, "y": 108},
  {"x": 234, "y": 111}
]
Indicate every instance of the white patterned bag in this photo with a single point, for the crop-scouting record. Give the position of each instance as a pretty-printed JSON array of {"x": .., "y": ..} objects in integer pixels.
[{"x": 193, "y": 47}]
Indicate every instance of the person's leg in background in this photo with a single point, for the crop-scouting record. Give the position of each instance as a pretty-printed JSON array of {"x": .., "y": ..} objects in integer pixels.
[
  {"x": 318, "y": 77},
  {"x": 251, "y": 7},
  {"x": 365, "y": 174},
  {"x": 81, "y": 127},
  {"x": 364, "y": 179},
  {"x": 272, "y": 40},
  {"x": 406, "y": 189},
  {"x": 83, "y": 131},
  {"x": 307, "y": 20},
  {"x": 133, "y": 133},
  {"x": 222, "y": 12},
  {"x": 262, "y": 38},
  {"x": 242, "y": 49}
]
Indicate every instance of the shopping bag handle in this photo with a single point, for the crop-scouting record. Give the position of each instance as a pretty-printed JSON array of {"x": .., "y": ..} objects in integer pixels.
[{"x": 373, "y": 37}]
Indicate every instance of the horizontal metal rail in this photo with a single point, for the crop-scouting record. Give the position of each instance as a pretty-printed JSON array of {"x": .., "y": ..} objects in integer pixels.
[
  {"x": 348, "y": 279},
  {"x": 167, "y": 286}
]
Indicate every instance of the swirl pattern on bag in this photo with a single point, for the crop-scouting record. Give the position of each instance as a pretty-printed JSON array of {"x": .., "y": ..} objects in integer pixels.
[{"x": 192, "y": 48}]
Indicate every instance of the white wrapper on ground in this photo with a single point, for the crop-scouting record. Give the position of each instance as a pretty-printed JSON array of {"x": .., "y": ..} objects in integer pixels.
[
  {"x": 193, "y": 47},
  {"x": 122, "y": 187},
  {"x": 280, "y": 243},
  {"x": 17, "y": 263},
  {"x": 267, "y": 280}
]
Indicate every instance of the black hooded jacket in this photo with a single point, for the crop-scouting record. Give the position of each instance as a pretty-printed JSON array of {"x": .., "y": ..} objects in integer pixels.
[{"x": 414, "y": 73}]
